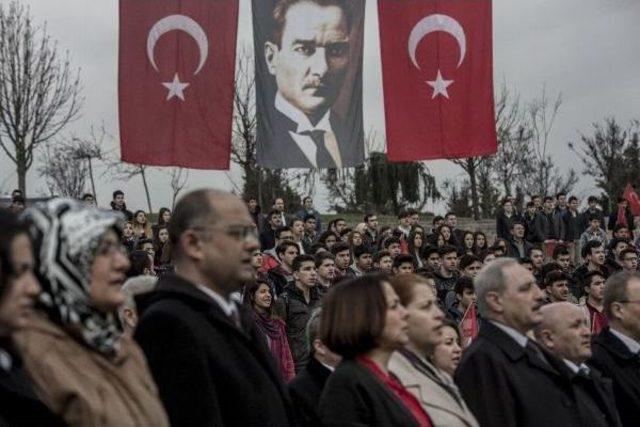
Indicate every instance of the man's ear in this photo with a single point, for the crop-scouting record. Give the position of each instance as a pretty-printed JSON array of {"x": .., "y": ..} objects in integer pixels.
[
  {"x": 546, "y": 339},
  {"x": 191, "y": 245},
  {"x": 130, "y": 317},
  {"x": 271, "y": 56},
  {"x": 494, "y": 301}
]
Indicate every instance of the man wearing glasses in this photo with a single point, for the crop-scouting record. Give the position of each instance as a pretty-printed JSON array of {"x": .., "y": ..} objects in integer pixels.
[
  {"x": 202, "y": 348},
  {"x": 616, "y": 351}
]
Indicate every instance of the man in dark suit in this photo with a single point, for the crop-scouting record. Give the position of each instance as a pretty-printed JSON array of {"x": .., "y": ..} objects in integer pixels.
[
  {"x": 616, "y": 351},
  {"x": 210, "y": 364},
  {"x": 309, "y": 54},
  {"x": 306, "y": 388},
  {"x": 565, "y": 332},
  {"x": 519, "y": 381}
]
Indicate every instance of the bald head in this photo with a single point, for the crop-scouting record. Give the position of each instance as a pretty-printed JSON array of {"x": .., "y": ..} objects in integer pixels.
[{"x": 565, "y": 331}]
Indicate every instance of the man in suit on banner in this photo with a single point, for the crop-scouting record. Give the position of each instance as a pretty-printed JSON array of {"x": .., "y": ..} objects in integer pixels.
[{"x": 309, "y": 52}]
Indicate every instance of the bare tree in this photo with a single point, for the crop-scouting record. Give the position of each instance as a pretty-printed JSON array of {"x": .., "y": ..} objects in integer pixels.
[
  {"x": 127, "y": 171},
  {"x": 64, "y": 172},
  {"x": 90, "y": 149},
  {"x": 39, "y": 95},
  {"x": 179, "y": 179}
]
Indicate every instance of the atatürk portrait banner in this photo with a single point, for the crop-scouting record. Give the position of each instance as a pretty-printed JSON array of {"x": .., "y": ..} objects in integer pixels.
[{"x": 308, "y": 58}]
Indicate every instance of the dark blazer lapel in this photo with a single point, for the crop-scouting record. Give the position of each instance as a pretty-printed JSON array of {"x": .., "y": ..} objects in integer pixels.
[{"x": 615, "y": 345}]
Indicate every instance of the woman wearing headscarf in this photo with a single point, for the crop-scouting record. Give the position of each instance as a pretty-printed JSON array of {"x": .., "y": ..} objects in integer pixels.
[
  {"x": 19, "y": 405},
  {"x": 81, "y": 364}
]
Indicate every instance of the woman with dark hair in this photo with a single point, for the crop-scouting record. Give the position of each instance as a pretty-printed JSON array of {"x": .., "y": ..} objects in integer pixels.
[
  {"x": 468, "y": 243},
  {"x": 364, "y": 322},
  {"x": 140, "y": 264},
  {"x": 354, "y": 240},
  {"x": 18, "y": 292},
  {"x": 259, "y": 298},
  {"x": 447, "y": 237},
  {"x": 91, "y": 373},
  {"x": 447, "y": 354},
  {"x": 412, "y": 364},
  {"x": 328, "y": 239},
  {"x": 141, "y": 226},
  {"x": 127, "y": 238},
  {"x": 415, "y": 244},
  {"x": 164, "y": 217},
  {"x": 160, "y": 243},
  {"x": 480, "y": 242}
]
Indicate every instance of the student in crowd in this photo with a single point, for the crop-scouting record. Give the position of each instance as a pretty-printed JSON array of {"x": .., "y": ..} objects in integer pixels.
[
  {"x": 403, "y": 264},
  {"x": 564, "y": 332},
  {"x": 415, "y": 245},
  {"x": 282, "y": 275},
  {"x": 343, "y": 260},
  {"x": 412, "y": 364},
  {"x": 270, "y": 258},
  {"x": 306, "y": 388},
  {"x": 258, "y": 297},
  {"x": 362, "y": 261},
  {"x": 480, "y": 242},
  {"x": 326, "y": 271},
  {"x": 448, "y": 274},
  {"x": 135, "y": 285},
  {"x": 616, "y": 351},
  {"x": 164, "y": 218},
  {"x": 118, "y": 204},
  {"x": 469, "y": 265},
  {"x": 127, "y": 238},
  {"x": 556, "y": 287},
  {"x": 296, "y": 304},
  {"x": 593, "y": 232},
  {"x": 364, "y": 322},
  {"x": 468, "y": 243},
  {"x": 465, "y": 297},
  {"x": 141, "y": 226},
  {"x": 19, "y": 289},
  {"x": 383, "y": 262},
  {"x": 629, "y": 259},
  {"x": 328, "y": 239},
  {"x": 195, "y": 336},
  {"x": 505, "y": 218},
  {"x": 92, "y": 374}
]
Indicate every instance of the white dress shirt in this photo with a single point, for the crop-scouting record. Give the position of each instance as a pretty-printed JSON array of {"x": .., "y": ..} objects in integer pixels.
[
  {"x": 305, "y": 142},
  {"x": 228, "y": 306},
  {"x": 632, "y": 345}
]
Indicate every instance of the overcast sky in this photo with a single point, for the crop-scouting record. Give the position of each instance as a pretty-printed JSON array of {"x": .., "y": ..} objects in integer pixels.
[{"x": 589, "y": 50}]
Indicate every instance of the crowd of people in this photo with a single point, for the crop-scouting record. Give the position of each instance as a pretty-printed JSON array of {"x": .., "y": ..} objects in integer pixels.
[{"x": 218, "y": 314}]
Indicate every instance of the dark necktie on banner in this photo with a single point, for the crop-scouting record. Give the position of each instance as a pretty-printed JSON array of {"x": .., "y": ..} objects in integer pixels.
[
  {"x": 437, "y": 67},
  {"x": 308, "y": 75},
  {"x": 323, "y": 157},
  {"x": 176, "y": 81}
]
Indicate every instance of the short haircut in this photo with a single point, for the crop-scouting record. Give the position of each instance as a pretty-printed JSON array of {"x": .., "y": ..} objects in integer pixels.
[
  {"x": 389, "y": 241},
  {"x": 403, "y": 259},
  {"x": 529, "y": 205},
  {"x": 429, "y": 250},
  {"x": 304, "y": 199},
  {"x": 549, "y": 268},
  {"x": 447, "y": 249},
  {"x": 436, "y": 219},
  {"x": 194, "y": 209},
  {"x": 297, "y": 261},
  {"x": 448, "y": 214},
  {"x": 491, "y": 279},
  {"x": 560, "y": 194},
  {"x": 404, "y": 285},
  {"x": 404, "y": 214},
  {"x": 517, "y": 222},
  {"x": 547, "y": 199},
  {"x": 593, "y": 217},
  {"x": 322, "y": 256},
  {"x": 117, "y": 193},
  {"x": 467, "y": 260},
  {"x": 381, "y": 254},
  {"x": 560, "y": 250},
  {"x": 615, "y": 289},
  {"x": 353, "y": 316},
  {"x": 282, "y": 7},
  {"x": 271, "y": 213},
  {"x": 358, "y": 251},
  {"x": 368, "y": 216},
  {"x": 312, "y": 330},
  {"x": 587, "y": 249},
  {"x": 555, "y": 276},
  {"x": 627, "y": 251},
  {"x": 572, "y": 198},
  {"x": 534, "y": 247},
  {"x": 616, "y": 240},
  {"x": 592, "y": 199},
  {"x": 280, "y": 230},
  {"x": 316, "y": 247},
  {"x": 307, "y": 217},
  {"x": 463, "y": 283},
  {"x": 86, "y": 196},
  {"x": 339, "y": 247},
  {"x": 586, "y": 279},
  {"x": 619, "y": 227},
  {"x": 143, "y": 242},
  {"x": 139, "y": 261},
  {"x": 282, "y": 247}
]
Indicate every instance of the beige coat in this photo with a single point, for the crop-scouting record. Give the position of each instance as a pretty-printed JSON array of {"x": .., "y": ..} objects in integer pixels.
[
  {"x": 84, "y": 387},
  {"x": 438, "y": 403}
]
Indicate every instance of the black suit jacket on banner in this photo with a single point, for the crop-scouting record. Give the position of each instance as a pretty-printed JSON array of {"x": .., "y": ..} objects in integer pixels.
[
  {"x": 277, "y": 149},
  {"x": 504, "y": 386},
  {"x": 209, "y": 372},
  {"x": 613, "y": 358}
]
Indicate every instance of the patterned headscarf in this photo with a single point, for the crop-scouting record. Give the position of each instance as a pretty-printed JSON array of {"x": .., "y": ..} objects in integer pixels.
[{"x": 66, "y": 235}]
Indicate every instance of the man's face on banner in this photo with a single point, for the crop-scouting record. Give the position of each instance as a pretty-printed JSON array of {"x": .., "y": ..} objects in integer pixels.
[{"x": 312, "y": 59}]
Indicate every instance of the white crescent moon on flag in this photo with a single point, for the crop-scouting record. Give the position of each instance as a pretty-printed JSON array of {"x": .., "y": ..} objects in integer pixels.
[
  {"x": 182, "y": 23},
  {"x": 433, "y": 23}
]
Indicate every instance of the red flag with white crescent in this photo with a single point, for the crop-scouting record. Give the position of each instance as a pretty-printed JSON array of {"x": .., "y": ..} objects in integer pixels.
[
  {"x": 437, "y": 67},
  {"x": 176, "y": 80},
  {"x": 632, "y": 197}
]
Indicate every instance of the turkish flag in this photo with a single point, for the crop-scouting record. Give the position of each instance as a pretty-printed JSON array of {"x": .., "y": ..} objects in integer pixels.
[
  {"x": 469, "y": 325},
  {"x": 632, "y": 197},
  {"x": 176, "y": 81},
  {"x": 437, "y": 67}
]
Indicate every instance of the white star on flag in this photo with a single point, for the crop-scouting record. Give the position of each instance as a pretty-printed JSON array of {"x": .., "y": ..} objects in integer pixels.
[
  {"x": 440, "y": 86},
  {"x": 176, "y": 88}
]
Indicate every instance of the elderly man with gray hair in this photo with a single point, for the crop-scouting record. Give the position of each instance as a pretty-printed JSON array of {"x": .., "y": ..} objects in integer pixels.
[
  {"x": 520, "y": 383},
  {"x": 565, "y": 332}
]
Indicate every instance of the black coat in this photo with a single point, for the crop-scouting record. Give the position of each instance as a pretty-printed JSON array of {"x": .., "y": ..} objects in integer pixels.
[
  {"x": 19, "y": 405},
  {"x": 306, "y": 389},
  {"x": 504, "y": 385},
  {"x": 612, "y": 357},
  {"x": 354, "y": 397},
  {"x": 209, "y": 372}
]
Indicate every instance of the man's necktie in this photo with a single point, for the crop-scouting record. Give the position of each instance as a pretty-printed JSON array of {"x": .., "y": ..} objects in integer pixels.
[
  {"x": 584, "y": 372},
  {"x": 323, "y": 157}
]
